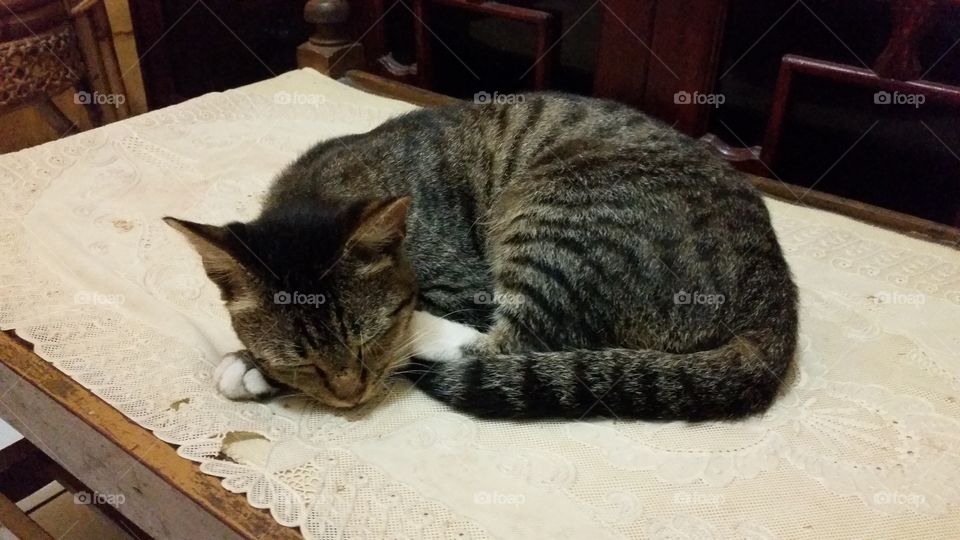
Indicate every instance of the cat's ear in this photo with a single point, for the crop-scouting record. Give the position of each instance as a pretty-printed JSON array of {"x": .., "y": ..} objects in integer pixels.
[
  {"x": 383, "y": 224},
  {"x": 215, "y": 246}
]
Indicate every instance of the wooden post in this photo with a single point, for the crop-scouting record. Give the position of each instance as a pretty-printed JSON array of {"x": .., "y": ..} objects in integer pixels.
[
  {"x": 329, "y": 50},
  {"x": 103, "y": 69},
  {"x": 422, "y": 41}
]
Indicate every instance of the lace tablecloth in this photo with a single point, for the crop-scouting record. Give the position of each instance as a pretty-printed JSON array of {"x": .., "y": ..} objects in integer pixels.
[{"x": 864, "y": 444}]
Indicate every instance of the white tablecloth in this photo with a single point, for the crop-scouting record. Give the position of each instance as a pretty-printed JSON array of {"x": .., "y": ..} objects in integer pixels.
[{"x": 864, "y": 444}]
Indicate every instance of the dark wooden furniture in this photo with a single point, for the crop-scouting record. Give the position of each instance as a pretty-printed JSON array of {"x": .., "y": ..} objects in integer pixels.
[
  {"x": 896, "y": 71},
  {"x": 881, "y": 217},
  {"x": 156, "y": 65},
  {"x": 694, "y": 55},
  {"x": 650, "y": 51},
  {"x": 656, "y": 54},
  {"x": 647, "y": 50},
  {"x": 794, "y": 65},
  {"x": 188, "y": 48},
  {"x": 329, "y": 49},
  {"x": 50, "y": 46},
  {"x": 543, "y": 23}
]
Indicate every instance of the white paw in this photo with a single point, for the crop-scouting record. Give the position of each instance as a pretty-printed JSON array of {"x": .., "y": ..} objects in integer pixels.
[
  {"x": 439, "y": 339},
  {"x": 237, "y": 378}
]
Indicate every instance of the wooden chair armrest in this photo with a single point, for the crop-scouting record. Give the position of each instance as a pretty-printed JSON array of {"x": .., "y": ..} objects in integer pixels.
[
  {"x": 374, "y": 84},
  {"x": 83, "y": 7}
]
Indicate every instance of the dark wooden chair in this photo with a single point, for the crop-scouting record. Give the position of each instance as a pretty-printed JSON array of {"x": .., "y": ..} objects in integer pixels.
[
  {"x": 544, "y": 25},
  {"x": 896, "y": 70},
  {"x": 673, "y": 47},
  {"x": 329, "y": 50},
  {"x": 49, "y": 46},
  {"x": 629, "y": 71}
]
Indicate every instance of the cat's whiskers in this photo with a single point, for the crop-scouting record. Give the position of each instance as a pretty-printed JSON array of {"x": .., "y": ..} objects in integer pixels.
[{"x": 407, "y": 346}]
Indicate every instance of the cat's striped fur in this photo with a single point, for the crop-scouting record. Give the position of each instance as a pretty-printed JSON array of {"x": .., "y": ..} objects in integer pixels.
[{"x": 616, "y": 266}]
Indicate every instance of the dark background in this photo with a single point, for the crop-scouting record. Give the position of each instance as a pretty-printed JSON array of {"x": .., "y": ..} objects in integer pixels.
[{"x": 907, "y": 161}]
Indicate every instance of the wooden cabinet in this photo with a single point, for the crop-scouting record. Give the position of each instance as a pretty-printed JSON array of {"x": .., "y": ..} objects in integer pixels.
[
  {"x": 190, "y": 48},
  {"x": 659, "y": 55}
]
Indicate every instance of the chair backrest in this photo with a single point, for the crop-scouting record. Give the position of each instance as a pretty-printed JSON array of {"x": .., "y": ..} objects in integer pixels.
[{"x": 39, "y": 56}]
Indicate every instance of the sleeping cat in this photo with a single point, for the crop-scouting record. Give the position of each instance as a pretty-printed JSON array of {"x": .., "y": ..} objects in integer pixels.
[{"x": 561, "y": 257}]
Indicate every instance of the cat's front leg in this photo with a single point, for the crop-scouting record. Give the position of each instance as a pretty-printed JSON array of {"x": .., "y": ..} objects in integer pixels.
[
  {"x": 440, "y": 340},
  {"x": 238, "y": 378}
]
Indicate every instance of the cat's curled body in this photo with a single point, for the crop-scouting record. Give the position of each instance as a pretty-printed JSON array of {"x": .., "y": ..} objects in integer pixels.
[{"x": 615, "y": 266}]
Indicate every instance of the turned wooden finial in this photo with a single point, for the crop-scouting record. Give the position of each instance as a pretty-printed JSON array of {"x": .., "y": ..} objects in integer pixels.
[
  {"x": 911, "y": 20},
  {"x": 329, "y": 50},
  {"x": 329, "y": 17}
]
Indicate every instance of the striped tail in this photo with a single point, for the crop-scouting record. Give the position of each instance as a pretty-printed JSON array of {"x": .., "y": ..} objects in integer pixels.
[{"x": 737, "y": 379}]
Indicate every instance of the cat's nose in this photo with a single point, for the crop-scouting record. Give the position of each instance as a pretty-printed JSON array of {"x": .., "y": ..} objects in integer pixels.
[{"x": 347, "y": 387}]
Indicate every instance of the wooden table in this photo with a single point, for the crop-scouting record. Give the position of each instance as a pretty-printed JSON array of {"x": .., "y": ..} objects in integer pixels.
[{"x": 166, "y": 495}]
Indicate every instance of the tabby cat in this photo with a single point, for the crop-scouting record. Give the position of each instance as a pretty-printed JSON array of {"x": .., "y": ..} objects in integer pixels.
[{"x": 560, "y": 257}]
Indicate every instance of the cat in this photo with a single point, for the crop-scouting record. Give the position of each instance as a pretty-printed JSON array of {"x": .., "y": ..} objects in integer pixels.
[{"x": 560, "y": 257}]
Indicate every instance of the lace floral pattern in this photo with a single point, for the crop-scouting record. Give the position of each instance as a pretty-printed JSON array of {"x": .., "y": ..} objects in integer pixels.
[{"x": 867, "y": 427}]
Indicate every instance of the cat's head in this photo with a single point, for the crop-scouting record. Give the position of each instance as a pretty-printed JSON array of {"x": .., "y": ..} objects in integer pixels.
[{"x": 321, "y": 294}]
